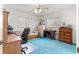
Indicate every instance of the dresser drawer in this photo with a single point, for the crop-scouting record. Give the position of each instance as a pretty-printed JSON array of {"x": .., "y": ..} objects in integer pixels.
[
  {"x": 65, "y": 34},
  {"x": 68, "y": 41},
  {"x": 68, "y": 34}
]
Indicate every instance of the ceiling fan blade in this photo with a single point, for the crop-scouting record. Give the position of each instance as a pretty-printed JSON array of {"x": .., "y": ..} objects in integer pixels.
[{"x": 45, "y": 8}]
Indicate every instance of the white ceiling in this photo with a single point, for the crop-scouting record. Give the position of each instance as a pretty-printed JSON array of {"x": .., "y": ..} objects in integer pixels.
[{"x": 29, "y": 8}]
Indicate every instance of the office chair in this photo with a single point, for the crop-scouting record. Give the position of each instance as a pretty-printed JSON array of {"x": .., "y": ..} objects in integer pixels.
[
  {"x": 23, "y": 36},
  {"x": 24, "y": 39}
]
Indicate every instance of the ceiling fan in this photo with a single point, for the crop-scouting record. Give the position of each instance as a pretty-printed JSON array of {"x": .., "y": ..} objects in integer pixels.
[{"x": 39, "y": 9}]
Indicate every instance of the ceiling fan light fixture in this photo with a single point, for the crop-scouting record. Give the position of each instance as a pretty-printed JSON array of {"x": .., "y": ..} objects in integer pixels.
[{"x": 38, "y": 10}]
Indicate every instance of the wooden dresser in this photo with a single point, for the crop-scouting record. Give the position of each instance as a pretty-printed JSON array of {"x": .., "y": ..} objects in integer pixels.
[
  {"x": 11, "y": 42},
  {"x": 78, "y": 50},
  {"x": 12, "y": 45},
  {"x": 65, "y": 34}
]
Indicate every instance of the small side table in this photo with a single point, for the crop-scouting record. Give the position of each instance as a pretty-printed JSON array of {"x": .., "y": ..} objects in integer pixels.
[
  {"x": 53, "y": 34},
  {"x": 50, "y": 34},
  {"x": 46, "y": 34}
]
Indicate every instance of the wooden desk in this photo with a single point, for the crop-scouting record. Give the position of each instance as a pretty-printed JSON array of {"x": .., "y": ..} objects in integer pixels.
[
  {"x": 51, "y": 33},
  {"x": 30, "y": 36},
  {"x": 12, "y": 45}
]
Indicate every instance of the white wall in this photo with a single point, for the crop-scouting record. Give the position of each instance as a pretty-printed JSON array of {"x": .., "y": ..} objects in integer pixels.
[
  {"x": 78, "y": 28},
  {"x": 1, "y": 22},
  {"x": 19, "y": 20},
  {"x": 67, "y": 15}
]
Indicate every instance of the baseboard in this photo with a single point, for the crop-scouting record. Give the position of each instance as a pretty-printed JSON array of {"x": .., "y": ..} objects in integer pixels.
[{"x": 73, "y": 43}]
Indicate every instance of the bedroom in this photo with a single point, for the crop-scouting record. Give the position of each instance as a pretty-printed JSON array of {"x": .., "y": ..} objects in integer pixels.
[{"x": 52, "y": 27}]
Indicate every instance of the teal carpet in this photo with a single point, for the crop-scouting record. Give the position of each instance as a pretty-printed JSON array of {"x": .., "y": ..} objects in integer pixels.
[{"x": 48, "y": 46}]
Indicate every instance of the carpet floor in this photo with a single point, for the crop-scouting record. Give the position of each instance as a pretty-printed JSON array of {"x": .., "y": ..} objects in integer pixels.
[{"x": 48, "y": 46}]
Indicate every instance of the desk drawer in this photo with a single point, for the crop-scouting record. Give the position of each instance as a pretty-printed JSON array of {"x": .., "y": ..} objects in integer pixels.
[{"x": 12, "y": 48}]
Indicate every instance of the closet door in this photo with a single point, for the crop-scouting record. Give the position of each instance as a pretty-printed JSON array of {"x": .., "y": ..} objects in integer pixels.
[{"x": 40, "y": 30}]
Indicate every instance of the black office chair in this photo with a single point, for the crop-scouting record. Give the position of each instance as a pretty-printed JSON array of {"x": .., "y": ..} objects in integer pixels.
[
  {"x": 24, "y": 39},
  {"x": 23, "y": 36}
]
